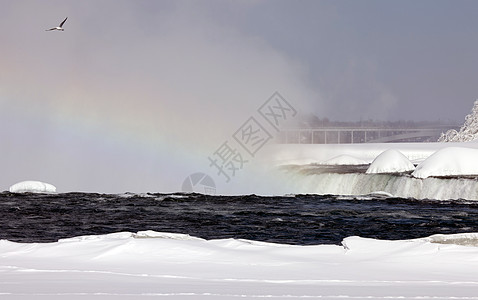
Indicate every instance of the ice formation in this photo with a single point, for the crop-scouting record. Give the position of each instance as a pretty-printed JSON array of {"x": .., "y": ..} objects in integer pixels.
[
  {"x": 393, "y": 184},
  {"x": 344, "y": 160},
  {"x": 430, "y": 179},
  {"x": 32, "y": 187},
  {"x": 301, "y": 179},
  {"x": 468, "y": 132},
  {"x": 390, "y": 161},
  {"x": 451, "y": 161}
]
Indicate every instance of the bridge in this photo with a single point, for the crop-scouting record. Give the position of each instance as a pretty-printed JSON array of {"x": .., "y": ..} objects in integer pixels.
[{"x": 360, "y": 135}]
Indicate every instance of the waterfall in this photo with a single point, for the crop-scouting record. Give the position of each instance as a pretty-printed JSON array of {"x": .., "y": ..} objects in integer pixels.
[{"x": 307, "y": 180}]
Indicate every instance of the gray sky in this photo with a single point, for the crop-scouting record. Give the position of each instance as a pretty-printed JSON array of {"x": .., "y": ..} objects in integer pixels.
[{"x": 132, "y": 88}]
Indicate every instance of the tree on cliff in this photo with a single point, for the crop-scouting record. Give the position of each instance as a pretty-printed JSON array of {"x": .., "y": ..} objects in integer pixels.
[{"x": 468, "y": 132}]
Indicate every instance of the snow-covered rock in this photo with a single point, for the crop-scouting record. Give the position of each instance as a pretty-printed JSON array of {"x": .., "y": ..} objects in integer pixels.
[
  {"x": 390, "y": 161},
  {"x": 451, "y": 161},
  {"x": 344, "y": 159},
  {"x": 32, "y": 187}
]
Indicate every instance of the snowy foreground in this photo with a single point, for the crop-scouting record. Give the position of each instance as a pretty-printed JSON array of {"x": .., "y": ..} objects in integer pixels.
[{"x": 149, "y": 265}]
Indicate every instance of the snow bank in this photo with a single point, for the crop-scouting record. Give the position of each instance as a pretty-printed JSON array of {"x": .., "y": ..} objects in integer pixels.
[
  {"x": 343, "y": 160},
  {"x": 148, "y": 265},
  {"x": 32, "y": 187},
  {"x": 390, "y": 161},
  {"x": 451, "y": 161}
]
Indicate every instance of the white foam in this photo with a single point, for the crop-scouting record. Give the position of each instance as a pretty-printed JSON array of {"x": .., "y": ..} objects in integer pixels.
[{"x": 32, "y": 187}]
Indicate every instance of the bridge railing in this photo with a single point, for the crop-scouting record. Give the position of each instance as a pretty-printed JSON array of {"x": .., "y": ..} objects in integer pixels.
[{"x": 359, "y": 135}]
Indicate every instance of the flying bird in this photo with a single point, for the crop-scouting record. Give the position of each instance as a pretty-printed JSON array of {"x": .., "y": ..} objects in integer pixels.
[{"x": 60, "y": 28}]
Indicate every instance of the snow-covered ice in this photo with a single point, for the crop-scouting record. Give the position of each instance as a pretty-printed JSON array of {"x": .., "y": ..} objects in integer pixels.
[
  {"x": 390, "y": 161},
  {"x": 32, "y": 187},
  {"x": 450, "y": 161},
  {"x": 147, "y": 265}
]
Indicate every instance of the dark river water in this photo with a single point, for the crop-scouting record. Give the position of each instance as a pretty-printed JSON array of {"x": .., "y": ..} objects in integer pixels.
[{"x": 298, "y": 219}]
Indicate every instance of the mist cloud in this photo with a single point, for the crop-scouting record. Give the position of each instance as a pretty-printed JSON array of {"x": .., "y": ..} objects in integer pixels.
[
  {"x": 130, "y": 98},
  {"x": 135, "y": 95}
]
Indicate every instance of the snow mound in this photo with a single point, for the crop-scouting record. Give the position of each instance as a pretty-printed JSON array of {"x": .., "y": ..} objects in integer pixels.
[
  {"x": 32, "y": 187},
  {"x": 390, "y": 161},
  {"x": 344, "y": 160},
  {"x": 451, "y": 161}
]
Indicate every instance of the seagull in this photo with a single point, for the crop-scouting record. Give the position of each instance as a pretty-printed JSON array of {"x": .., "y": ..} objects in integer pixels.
[{"x": 60, "y": 28}]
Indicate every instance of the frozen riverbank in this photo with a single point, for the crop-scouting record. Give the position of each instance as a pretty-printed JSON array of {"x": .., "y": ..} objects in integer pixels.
[{"x": 148, "y": 265}]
